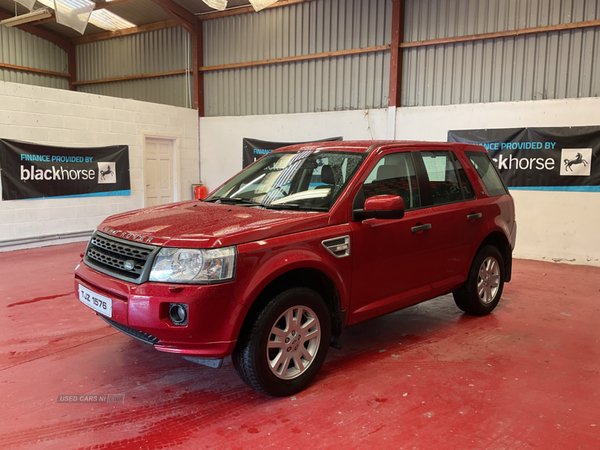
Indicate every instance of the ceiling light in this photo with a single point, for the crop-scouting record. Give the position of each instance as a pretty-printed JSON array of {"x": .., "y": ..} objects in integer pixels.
[
  {"x": 27, "y": 3},
  {"x": 74, "y": 14},
  {"x": 217, "y": 4},
  {"x": 38, "y": 14},
  {"x": 261, "y": 4}
]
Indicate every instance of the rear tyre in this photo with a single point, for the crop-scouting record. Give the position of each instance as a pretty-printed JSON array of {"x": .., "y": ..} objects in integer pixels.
[
  {"x": 286, "y": 345},
  {"x": 480, "y": 294}
]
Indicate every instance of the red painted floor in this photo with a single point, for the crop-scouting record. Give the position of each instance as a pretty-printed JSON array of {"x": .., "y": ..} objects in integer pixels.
[{"x": 428, "y": 377}]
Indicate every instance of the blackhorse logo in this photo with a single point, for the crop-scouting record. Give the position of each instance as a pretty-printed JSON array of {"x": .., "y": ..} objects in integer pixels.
[
  {"x": 107, "y": 172},
  {"x": 577, "y": 162},
  {"x": 572, "y": 162}
]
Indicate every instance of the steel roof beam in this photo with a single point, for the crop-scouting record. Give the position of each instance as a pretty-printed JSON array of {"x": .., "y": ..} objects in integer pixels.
[{"x": 186, "y": 18}]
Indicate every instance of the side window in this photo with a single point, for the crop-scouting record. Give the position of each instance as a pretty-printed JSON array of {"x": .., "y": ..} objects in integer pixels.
[
  {"x": 393, "y": 174},
  {"x": 465, "y": 183},
  {"x": 443, "y": 178},
  {"x": 486, "y": 170}
]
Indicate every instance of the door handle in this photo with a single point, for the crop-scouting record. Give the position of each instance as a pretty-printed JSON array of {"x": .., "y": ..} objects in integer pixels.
[
  {"x": 418, "y": 228},
  {"x": 474, "y": 216}
]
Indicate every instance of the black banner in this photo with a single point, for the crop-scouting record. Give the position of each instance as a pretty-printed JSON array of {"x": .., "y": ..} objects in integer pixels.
[
  {"x": 37, "y": 171},
  {"x": 254, "y": 149},
  {"x": 556, "y": 159}
]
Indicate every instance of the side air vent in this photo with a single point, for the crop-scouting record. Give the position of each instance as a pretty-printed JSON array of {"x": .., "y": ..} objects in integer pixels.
[{"x": 338, "y": 247}]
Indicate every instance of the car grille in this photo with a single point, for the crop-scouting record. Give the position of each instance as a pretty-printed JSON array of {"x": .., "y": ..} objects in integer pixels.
[
  {"x": 140, "y": 335},
  {"x": 126, "y": 260}
]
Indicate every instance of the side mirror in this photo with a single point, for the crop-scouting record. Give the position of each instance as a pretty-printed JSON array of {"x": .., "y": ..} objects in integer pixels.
[{"x": 380, "y": 207}]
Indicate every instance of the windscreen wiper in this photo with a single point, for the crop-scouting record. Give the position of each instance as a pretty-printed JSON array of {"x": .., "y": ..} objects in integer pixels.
[
  {"x": 233, "y": 200},
  {"x": 286, "y": 206},
  {"x": 295, "y": 206}
]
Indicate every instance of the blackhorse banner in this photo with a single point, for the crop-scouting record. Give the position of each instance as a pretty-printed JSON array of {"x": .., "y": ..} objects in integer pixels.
[
  {"x": 38, "y": 171},
  {"x": 555, "y": 158},
  {"x": 254, "y": 149}
]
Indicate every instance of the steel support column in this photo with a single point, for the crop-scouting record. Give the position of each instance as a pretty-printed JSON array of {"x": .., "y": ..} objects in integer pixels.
[
  {"x": 198, "y": 61},
  {"x": 72, "y": 53},
  {"x": 396, "y": 55}
]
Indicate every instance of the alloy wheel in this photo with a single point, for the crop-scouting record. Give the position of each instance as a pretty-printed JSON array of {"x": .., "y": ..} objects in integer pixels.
[
  {"x": 488, "y": 281},
  {"x": 293, "y": 342}
]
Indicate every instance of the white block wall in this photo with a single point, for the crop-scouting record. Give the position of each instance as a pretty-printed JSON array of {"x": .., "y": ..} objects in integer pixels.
[
  {"x": 221, "y": 137},
  {"x": 552, "y": 226},
  {"x": 72, "y": 119}
]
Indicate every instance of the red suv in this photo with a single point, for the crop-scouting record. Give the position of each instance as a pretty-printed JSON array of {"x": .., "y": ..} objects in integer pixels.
[{"x": 310, "y": 239}]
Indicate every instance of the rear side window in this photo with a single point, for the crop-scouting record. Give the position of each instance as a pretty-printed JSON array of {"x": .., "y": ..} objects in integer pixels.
[{"x": 487, "y": 172}]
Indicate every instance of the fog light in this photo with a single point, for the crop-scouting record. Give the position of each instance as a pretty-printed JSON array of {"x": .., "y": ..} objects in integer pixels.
[{"x": 178, "y": 313}]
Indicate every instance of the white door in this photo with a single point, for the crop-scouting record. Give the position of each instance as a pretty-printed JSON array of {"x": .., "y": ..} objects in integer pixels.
[{"x": 158, "y": 171}]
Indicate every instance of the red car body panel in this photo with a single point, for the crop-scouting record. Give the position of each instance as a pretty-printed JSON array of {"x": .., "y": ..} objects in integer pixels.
[
  {"x": 214, "y": 314},
  {"x": 262, "y": 262},
  {"x": 392, "y": 265},
  {"x": 193, "y": 224}
]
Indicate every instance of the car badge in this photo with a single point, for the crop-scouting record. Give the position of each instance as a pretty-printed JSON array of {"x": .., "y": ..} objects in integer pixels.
[{"x": 129, "y": 264}]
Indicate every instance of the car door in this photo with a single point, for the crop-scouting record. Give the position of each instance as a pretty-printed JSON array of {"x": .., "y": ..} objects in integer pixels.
[
  {"x": 454, "y": 222},
  {"x": 391, "y": 259}
]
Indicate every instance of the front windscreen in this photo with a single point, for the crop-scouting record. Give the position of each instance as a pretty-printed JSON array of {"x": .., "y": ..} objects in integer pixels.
[{"x": 307, "y": 179}]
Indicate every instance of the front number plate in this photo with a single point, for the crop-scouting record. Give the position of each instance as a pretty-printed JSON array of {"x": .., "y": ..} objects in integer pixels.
[{"x": 97, "y": 302}]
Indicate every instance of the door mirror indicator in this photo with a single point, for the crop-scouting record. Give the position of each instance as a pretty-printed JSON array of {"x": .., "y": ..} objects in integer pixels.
[{"x": 380, "y": 207}]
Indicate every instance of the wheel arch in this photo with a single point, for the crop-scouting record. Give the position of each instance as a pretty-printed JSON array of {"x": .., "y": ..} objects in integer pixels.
[
  {"x": 308, "y": 277},
  {"x": 499, "y": 240}
]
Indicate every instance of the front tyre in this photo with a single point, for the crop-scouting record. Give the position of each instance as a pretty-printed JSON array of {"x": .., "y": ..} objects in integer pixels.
[
  {"x": 482, "y": 291},
  {"x": 286, "y": 345}
]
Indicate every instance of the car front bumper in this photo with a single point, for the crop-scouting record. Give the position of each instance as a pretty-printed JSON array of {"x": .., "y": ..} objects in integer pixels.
[{"x": 213, "y": 322}]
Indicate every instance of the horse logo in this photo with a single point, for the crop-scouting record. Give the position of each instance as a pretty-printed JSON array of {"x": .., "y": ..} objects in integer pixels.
[
  {"x": 572, "y": 162},
  {"x": 107, "y": 172},
  {"x": 577, "y": 162}
]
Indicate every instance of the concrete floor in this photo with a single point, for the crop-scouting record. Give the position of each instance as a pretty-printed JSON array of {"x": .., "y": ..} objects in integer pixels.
[{"x": 428, "y": 377}]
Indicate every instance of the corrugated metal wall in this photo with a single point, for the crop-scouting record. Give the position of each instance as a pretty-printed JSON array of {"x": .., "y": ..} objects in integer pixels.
[
  {"x": 19, "y": 48},
  {"x": 562, "y": 64},
  {"x": 340, "y": 83},
  {"x": 545, "y": 66},
  {"x": 154, "y": 52}
]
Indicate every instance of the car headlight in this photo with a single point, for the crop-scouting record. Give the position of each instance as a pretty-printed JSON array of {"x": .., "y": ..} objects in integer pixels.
[{"x": 183, "y": 265}]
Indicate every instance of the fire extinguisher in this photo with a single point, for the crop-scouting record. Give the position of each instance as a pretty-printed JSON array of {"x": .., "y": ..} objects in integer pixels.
[{"x": 200, "y": 192}]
